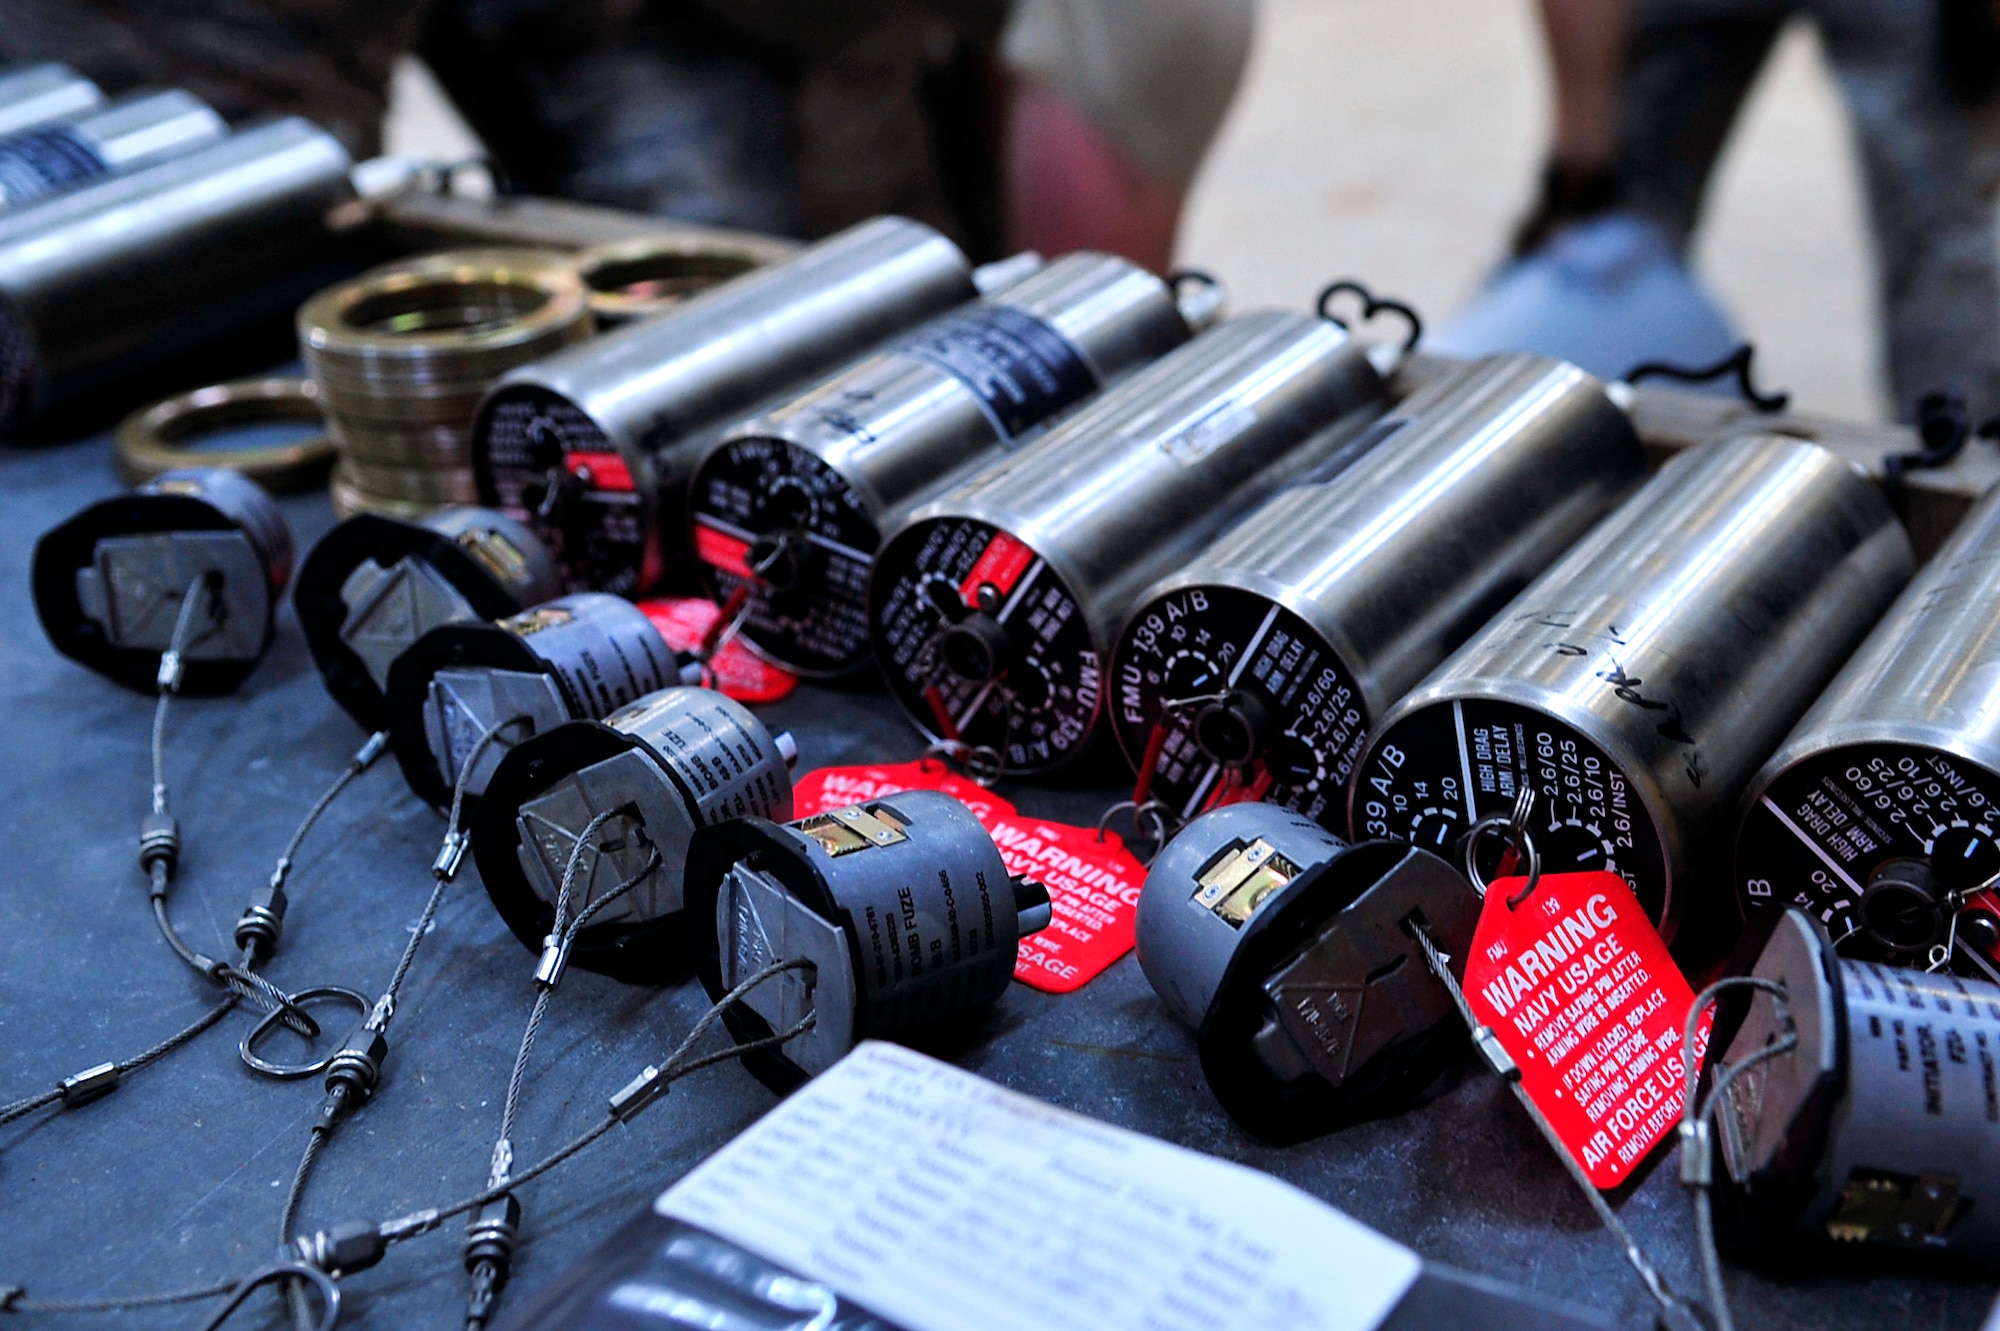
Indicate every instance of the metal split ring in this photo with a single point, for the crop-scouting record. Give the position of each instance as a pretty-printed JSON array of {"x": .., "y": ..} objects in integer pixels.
[
  {"x": 329, "y": 1293},
  {"x": 1160, "y": 815},
  {"x": 1514, "y": 827},
  {"x": 157, "y": 439},
  {"x": 982, "y": 762},
  {"x": 264, "y": 1067}
]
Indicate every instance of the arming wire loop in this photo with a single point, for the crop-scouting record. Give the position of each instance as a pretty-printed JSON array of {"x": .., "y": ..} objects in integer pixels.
[
  {"x": 1737, "y": 362},
  {"x": 1371, "y": 305}
]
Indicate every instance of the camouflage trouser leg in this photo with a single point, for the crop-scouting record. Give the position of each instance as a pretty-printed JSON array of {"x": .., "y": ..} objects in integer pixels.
[
  {"x": 1933, "y": 173},
  {"x": 1932, "y": 167}
]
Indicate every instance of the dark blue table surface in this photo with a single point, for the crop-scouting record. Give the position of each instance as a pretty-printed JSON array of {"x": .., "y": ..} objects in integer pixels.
[{"x": 178, "y": 1178}]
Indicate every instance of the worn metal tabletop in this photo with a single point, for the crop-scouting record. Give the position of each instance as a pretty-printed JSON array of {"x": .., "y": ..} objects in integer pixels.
[{"x": 179, "y": 1177}]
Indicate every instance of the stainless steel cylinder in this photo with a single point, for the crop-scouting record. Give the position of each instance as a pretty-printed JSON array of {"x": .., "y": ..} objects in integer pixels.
[
  {"x": 129, "y": 133},
  {"x": 31, "y": 94},
  {"x": 110, "y": 583},
  {"x": 1877, "y": 1128},
  {"x": 902, "y": 905},
  {"x": 463, "y": 694},
  {"x": 374, "y": 585},
  {"x": 593, "y": 447},
  {"x": 1636, "y": 686},
  {"x": 658, "y": 769},
  {"x": 1885, "y": 801},
  {"x": 992, "y": 609},
  {"x": 790, "y": 507},
  {"x": 133, "y": 270},
  {"x": 1291, "y": 955},
  {"x": 1263, "y": 665}
]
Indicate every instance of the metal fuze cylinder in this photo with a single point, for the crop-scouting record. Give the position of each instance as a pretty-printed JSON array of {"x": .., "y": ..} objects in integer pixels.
[
  {"x": 902, "y": 906},
  {"x": 663, "y": 767},
  {"x": 593, "y": 446},
  {"x": 62, "y": 154},
  {"x": 1265, "y": 662},
  {"x": 1880, "y": 814},
  {"x": 109, "y": 583},
  {"x": 466, "y": 693},
  {"x": 34, "y": 94},
  {"x": 130, "y": 271},
  {"x": 994, "y": 607},
  {"x": 1637, "y": 685},
  {"x": 791, "y": 507},
  {"x": 1289, "y": 954},
  {"x": 1879, "y": 1128},
  {"x": 373, "y": 585}
]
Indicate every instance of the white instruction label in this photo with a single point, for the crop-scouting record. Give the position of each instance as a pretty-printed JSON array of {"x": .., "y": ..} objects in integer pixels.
[{"x": 945, "y": 1203}]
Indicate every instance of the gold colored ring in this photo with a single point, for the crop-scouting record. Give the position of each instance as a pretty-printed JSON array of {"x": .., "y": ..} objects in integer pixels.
[
  {"x": 452, "y": 321},
  {"x": 634, "y": 279},
  {"x": 156, "y": 439}
]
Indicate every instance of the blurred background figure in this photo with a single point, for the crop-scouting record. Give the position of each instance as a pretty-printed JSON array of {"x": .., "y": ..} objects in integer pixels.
[
  {"x": 1047, "y": 123},
  {"x": 1647, "y": 93}
]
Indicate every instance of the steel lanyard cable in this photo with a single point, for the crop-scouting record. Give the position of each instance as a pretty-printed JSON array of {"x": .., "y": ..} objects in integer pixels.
[
  {"x": 493, "y": 1229},
  {"x": 345, "y": 1249},
  {"x": 256, "y": 934}
]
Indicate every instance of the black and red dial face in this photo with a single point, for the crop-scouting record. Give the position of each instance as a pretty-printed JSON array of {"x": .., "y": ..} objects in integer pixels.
[
  {"x": 544, "y": 462},
  {"x": 1870, "y": 838},
  {"x": 1443, "y": 767},
  {"x": 764, "y": 501},
  {"x": 1237, "y": 696},
  {"x": 983, "y": 643}
]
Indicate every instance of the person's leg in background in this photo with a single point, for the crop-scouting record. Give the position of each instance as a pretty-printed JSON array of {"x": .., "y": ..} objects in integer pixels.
[
  {"x": 1931, "y": 161},
  {"x": 1688, "y": 66},
  {"x": 1114, "y": 103},
  {"x": 1586, "y": 46}
]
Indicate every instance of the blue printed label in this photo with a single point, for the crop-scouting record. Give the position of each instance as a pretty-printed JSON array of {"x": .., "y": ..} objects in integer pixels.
[
  {"x": 1021, "y": 370},
  {"x": 41, "y": 161}
]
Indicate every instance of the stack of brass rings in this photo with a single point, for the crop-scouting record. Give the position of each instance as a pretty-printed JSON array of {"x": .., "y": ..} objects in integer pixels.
[
  {"x": 635, "y": 279},
  {"x": 402, "y": 354},
  {"x": 169, "y": 433}
]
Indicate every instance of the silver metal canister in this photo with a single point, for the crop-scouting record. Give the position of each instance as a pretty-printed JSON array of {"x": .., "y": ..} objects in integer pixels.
[
  {"x": 790, "y": 507},
  {"x": 593, "y": 446},
  {"x": 1881, "y": 1127},
  {"x": 1880, "y": 813},
  {"x": 1263, "y": 665},
  {"x": 1636, "y": 686},
  {"x": 994, "y": 607},
  {"x": 131, "y": 132},
  {"x": 1288, "y": 952},
  {"x": 902, "y": 906},
  {"x": 110, "y": 583},
  {"x": 373, "y": 585},
  {"x": 133, "y": 270},
  {"x": 649, "y": 776},
  {"x": 31, "y": 94},
  {"x": 463, "y": 694}
]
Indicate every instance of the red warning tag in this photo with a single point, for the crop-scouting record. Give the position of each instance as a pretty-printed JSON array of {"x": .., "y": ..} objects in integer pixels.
[
  {"x": 1093, "y": 885},
  {"x": 1580, "y": 990},
  {"x": 1001, "y": 563},
  {"x": 719, "y": 549},
  {"x": 739, "y": 673},
  {"x": 603, "y": 471},
  {"x": 837, "y": 787}
]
